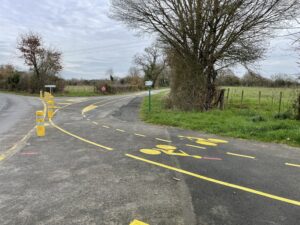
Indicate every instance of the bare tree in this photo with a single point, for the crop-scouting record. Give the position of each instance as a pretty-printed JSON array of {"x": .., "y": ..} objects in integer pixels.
[
  {"x": 43, "y": 62},
  {"x": 152, "y": 63},
  {"x": 204, "y": 36}
]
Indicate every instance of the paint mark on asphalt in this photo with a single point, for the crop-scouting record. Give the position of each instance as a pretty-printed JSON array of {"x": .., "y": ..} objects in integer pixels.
[
  {"x": 212, "y": 180},
  {"x": 2, "y": 157},
  {"x": 238, "y": 155},
  {"x": 140, "y": 135},
  {"x": 294, "y": 165},
  {"x": 79, "y": 138},
  {"x": 107, "y": 127},
  {"x": 163, "y": 140},
  {"x": 29, "y": 153},
  {"x": 95, "y": 123},
  {"x": 195, "y": 146},
  {"x": 211, "y": 158},
  {"x": 122, "y": 131},
  {"x": 137, "y": 222}
]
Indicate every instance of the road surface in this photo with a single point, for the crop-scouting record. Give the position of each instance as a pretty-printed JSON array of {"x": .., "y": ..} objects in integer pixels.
[{"x": 99, "y": 164}]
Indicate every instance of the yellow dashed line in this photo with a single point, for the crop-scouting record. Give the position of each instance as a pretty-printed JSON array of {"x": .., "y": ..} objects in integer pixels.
[
  {"x": 163, "y": 140},
  {"x": 294, "y": 165},
  {"x": 249, "y": 190},
  {"x": 140, "y": 135},
  {"x": 195, "y": 146},
  {"x": 123, "y": 131},
  {"x": 80, "y": 138},
  {"x": 107, "y": 127},
  {"x": 243, "y": 156}
]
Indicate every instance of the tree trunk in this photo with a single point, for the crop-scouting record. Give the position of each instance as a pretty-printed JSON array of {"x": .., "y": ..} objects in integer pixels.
[{"x": 192, "y": 86}]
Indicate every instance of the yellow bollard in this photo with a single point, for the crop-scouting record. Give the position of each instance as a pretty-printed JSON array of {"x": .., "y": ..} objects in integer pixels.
[
  {"x": 40, "y": 124},
  {"x": 50, "y": 109}
]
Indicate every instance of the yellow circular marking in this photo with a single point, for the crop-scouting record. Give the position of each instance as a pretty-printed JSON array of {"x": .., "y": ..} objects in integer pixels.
[
  {"x": 217, "y": 140},
  {"x": 207, "y": 143},
  {"x": 150, "y": 151},
  {"x": 166, "y": 147}
]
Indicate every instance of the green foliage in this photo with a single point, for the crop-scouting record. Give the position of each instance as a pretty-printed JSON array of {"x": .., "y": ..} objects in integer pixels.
[{"x": 251, "y": 122}]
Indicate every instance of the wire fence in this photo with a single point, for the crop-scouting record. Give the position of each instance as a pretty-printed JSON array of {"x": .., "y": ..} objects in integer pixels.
[{"x": 276, "y": 100}]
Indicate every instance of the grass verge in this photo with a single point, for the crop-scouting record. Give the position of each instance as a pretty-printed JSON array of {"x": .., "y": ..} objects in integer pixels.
[{"x": 245, "y": 122}]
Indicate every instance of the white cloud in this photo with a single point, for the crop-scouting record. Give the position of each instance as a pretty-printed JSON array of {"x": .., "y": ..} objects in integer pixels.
[{"x": 92, "y": 42}]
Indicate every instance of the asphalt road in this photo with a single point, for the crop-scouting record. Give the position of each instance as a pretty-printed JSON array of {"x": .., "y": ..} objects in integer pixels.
[{"x": 99, "y": 164}]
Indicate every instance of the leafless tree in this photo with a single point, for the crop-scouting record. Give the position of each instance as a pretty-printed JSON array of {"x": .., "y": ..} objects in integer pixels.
[
  {"x": 204, "y": 36},
  {"x": 152, "y": 63},
  {"x": 43, "y": 62}
]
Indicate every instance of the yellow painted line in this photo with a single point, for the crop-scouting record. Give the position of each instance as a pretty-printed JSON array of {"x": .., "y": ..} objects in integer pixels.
[
  {"x": 212, "y": 180},
  {"x": 2, "y": 157},
  {"x": 107, "y": 127},
  {"x": 195, "y": 146},
  {"x": 95, "y": 123},
  {"x": 137, "y": 222},
  {"x": 163, "y": 140},
  {"x": 88, "y": 109},
  {"x": 140, "y": 135},
  {"x": 123, "y": 131},
  {"x": 80, "y": 138},
  {"x": 294, "y": 165},
  {"x": 238, "y": 155}
]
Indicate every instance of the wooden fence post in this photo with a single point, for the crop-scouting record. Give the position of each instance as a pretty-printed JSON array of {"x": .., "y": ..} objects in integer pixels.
[
  {"x": 242, "y": 98},
  {"x": 280, "y": 101}
]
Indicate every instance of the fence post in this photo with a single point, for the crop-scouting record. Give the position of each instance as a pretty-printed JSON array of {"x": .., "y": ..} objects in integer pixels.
[
  {"x": 298, "y": 116},
  {"x": 280, "y": 101},
  {"x": 242, "y": 98}
]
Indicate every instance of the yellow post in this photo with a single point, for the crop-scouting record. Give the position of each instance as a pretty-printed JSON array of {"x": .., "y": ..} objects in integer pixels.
[
  {"x": 40, "y": 124},
  {"x": 50, "y": 109}
]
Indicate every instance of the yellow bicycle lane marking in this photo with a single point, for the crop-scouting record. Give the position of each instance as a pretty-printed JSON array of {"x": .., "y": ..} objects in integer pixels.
[{"x": 212, "y": 180}]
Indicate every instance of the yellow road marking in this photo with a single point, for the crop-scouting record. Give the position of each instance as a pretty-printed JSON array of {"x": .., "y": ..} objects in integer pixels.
[
  {"x": 242, "y": 188},
  {"x": 137, "y": 222},
  {"x": 294, "y": 165},
  {"x": 88, "y": 108},
  {"x": 123, "y": 131},
  {"x": 95, "y": 123},
  {"x": 140, "y": 135},
  {"x": 163, "y": 140},
  {"x": 243, "y": 156},
  {"x": 80, "y": 138},
  {"x": 2, "y": 157},
  {"x": 107, "y": 127},
  {"x": 195, "y": 146}
]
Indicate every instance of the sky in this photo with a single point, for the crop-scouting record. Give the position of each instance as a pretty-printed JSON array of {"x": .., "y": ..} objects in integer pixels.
[{"x": 92, "y": 43}]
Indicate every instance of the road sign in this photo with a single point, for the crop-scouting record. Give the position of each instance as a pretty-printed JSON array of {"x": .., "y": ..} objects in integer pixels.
[
  {"x": 50, "y": 86},
  {"x": 149, "y": 83}
]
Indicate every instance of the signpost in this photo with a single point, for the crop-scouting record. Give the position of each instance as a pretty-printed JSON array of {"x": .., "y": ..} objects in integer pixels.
[
  {"x": 149, "y": 84},
  {"x": 50, "y": 87}
]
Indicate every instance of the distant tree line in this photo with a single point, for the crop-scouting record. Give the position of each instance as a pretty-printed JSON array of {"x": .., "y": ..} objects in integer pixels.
[{"x": 251, "y": 79}]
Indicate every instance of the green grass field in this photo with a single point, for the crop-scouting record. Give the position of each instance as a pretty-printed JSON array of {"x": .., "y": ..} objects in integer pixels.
[
  {"x": 79, "y": 91},
  {"x": 249, "y": 119}
]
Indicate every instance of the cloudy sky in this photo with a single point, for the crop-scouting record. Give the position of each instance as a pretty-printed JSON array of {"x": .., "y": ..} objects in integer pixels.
[{"x": 92, "y": 43}]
